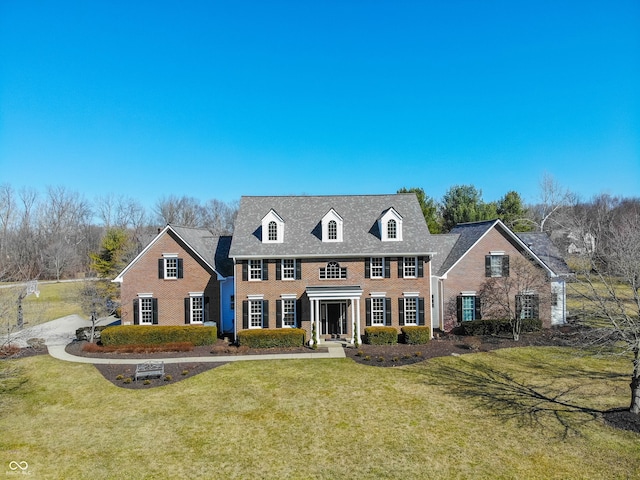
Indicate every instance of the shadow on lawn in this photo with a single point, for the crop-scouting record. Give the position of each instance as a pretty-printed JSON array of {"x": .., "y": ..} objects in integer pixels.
[{"x": 540, "y": 404}]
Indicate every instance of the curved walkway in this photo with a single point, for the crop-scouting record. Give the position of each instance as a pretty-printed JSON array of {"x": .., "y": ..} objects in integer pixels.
[{"x": 57, "y": 334}]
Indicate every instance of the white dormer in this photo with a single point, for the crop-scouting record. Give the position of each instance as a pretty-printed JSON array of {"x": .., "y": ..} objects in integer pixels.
[
  {"x": 272, "y": 228},
  {"x": 390, "y": 225},
  {"x": 332, "y": 227}
]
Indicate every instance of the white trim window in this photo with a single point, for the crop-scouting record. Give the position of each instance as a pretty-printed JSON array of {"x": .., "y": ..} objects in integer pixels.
[
  {"x": 288, "y": 313},
  {"x": 196, "y": 308},
  {"x": 273, "y": 231},
  {"x": 255, "y": 270},
  {"x": 255, "y": 313},
  {"x": 410, "y": 267},
  {"x": 170, "y": 267},
  {"x": 411, "y": 310},
  {"x": 288, "y": 269},
  {"x": 378, "y": 313},
  {"x": 145, "y": 305},
  {"x": 333, "y": 271},
  {"x": 377, "y": 267}
]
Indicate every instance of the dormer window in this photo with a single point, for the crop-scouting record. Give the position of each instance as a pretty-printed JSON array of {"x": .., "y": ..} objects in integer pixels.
[
  {"x": 272, "y": 228},
  {"x": 332, "y": 227},
  {"x": 390, "y": 226}
]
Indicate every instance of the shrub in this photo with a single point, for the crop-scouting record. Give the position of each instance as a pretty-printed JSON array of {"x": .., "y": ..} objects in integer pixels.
[
  {"x": 128, "y": 380},
  {"x": 380, "y": 335},
  {"x": 416, "y": 335},
  {"x": 157, "y": 335},
  {"x": 271, "y": 338},
  {"x": 497, "y": 327},
  {"x": 168, "y": 378},
  {"x": 168, "y": 347},
  {"x": 84, "y": 333}
]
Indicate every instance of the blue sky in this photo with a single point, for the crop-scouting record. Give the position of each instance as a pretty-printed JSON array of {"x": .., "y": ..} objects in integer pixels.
[{"x": 222, "y": 99}]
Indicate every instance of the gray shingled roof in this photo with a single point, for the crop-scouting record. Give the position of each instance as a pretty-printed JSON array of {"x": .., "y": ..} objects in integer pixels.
[
  {"x": 545, "y": 250},
  {"x": 214, "y": 249},
  {"x": 302, "y": 217},
  {"x": 468, "y": 234}
]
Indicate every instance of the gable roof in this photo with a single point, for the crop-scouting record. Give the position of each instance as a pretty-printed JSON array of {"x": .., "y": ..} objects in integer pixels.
[
  {"x": 464, "y": 236},
  {"x": 302, "y": 216},
  {"x": 212, "y": 249}
]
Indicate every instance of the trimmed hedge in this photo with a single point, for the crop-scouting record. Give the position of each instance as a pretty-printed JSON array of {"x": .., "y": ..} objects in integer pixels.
[
  {"x": 416, "y": 335},
  {"x": 380, "y": 335},
  {"x": 272, "y": 337},
  {"x": 496, "y": 327},
  {"x": 158, "y": 335}
]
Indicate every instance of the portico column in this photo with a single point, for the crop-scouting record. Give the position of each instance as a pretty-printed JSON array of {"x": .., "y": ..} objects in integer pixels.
[
  {"x": 317, "y": 315},
  {"x": 358, "y": 318}
]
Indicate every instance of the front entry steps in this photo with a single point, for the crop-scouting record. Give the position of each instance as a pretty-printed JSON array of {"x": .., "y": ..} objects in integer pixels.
[{"x": 335, "y": 347}]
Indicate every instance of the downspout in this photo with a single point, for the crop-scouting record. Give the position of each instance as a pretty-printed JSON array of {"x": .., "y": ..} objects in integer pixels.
[{"x": 235, "y": 303}]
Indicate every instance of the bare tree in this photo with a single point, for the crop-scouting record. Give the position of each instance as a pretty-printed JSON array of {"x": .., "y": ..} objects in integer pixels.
[
  {"x": 98, "y": 301},
  {"x": 608, "y": 281},
  {"x": 524, "y": 293},
  {"x": 553, "y": 198}
]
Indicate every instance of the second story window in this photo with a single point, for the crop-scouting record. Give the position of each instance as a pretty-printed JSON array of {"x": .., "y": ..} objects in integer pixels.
[
  {"x": 392, "y": 229},
  {"x": 255, "y": 269},
  {"x": 377, "y": 267},
  {"x": 410, "y": 267},
  {"x": 288, "y": 269},
  {"x": 333, "y": 270},
  {"x": 273, "y": 231},
  {"x": 170, "y": 267},
  {"x": 496, "y": 265},
  {"x": 332, "y": 229}
]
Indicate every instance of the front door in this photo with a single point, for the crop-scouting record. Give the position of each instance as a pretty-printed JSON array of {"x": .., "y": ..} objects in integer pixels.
[{"x": 333, "y": 319}]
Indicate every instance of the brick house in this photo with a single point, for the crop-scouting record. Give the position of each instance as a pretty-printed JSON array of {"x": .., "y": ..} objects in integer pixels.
[
  {"x": 183, "y": 276},
  {"x": 473, "y": 252},
  {"x": 331, "y": 265}
]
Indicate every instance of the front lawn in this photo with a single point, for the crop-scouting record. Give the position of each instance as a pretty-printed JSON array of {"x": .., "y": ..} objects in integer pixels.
[{"x": 527, "y": 412}]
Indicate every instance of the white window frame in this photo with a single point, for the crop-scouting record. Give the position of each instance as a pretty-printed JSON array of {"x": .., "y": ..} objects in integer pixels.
[
  {"x": 288, "y": 270},
  {"x": 288, "y": 319},
  {"x": 145, "y": 309},
  {"x": 378, "y": 311},
  {"x": 377, "y": 267},
  {"x": 526, "y": 307},
  {"x": 194, "y": 309},
  {"x": 411, "y": 310},
  {"x": 255, "y": 313},
  {"x": 170, "y": 265},
  {"x": 409, "y": 270},
  {"x": 254, "y": 270},
  {"x": 333, "y": 271},
  {"x": 272, "y": 232},
  {"x": 469, "y": 306}
]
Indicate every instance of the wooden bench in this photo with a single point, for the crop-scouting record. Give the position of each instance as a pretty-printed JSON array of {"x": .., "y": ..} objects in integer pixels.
[{"x": 149, "y": 369}]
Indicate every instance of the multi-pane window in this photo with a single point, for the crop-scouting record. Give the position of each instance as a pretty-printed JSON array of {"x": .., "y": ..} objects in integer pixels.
[
  {"x": 411, "y": 311},
  {"x": 410, "y": 267},
  {"x": 527, "y": 306},
  {"x": 497, "y": 265},
  {"x": 255, "y": 269},
  {"x": 255, "y": 314},
  {"x": 197, "y": 309},
  {"x": 332, "y": 230},
  {"x": 146, "y": 311},
  {"x": 377, "y": 311},
  {"x": 333, "y": 270},
  {"x": 171, "y": 267},
  {"x": 273, "y": 231},
  {"x": 289, "y": 313},
  {"x": 392, "y": 229},
  {"x": 377, "y": 267},
  {"x": 288, "y": 269},
  {"x": 468, "y": 308}
]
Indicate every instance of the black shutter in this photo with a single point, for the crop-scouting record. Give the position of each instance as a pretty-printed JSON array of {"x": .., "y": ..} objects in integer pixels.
[
  {"x": 265, "y": 270},
  {"x": 535, "y": 305},
  {"x": 505, "y": 265},
  {"x": 245, "y": 270},
  {"x": 180, "y": 268},
  {"x": 387, "y": 312},
  {"x": 298, "y": 269},
  {"x": 478, "y": 309},
  {"x": 205, "y": 313},
  {"x": 421, "y": 315},
  {"x": 487, "y": 265},
  {"x": 278, "y": 269},
  {"x": 401, "y": 311},
  {"x": 154, "y": 306},
  {"x": 420, "y": 262},
  {"x": 400, "y": 267},
  {"x": 367, "y": 302},
  {"x": 299, "y": 313},
  {"x": 265, "y": 314},
  {"x": 278, "y": 313},
  {"x": 187, "y": 311},
  {"x": 459, "y": 307},
  {"x": 136, "y": 312},
  {"x": 161, "y": 268},
  {"x": 387, "y": 267},
  {"x": 245, "y": 314},
  {"x": 367, "y": 268}
]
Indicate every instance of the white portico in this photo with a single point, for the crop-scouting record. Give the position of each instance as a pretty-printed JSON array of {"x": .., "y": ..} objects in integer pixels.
[{"x": 335, "y": 310}]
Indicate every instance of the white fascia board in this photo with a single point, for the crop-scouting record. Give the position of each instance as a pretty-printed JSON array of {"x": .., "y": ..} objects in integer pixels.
[
  {"x": 337, "y": 255},
  {"x": 119, "y": 277}
]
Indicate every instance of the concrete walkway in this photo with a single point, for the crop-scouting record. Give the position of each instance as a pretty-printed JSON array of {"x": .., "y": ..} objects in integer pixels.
[{"x": 57, "y": 334}]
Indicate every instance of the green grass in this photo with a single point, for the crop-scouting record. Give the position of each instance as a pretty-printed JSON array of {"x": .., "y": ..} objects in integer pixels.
[
  {"x": 517, "y": 413},
  {"x": 56, "y": 300}
]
